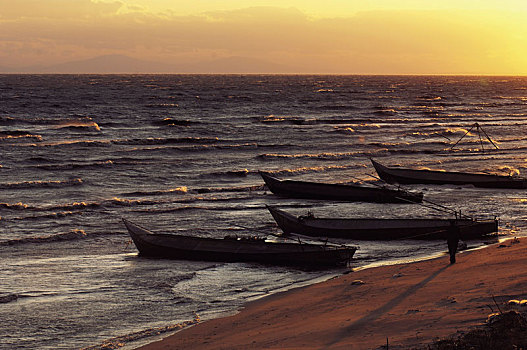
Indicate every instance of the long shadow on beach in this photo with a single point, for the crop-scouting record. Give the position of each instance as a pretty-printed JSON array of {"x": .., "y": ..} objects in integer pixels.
[{"x": 375, "y": 314}]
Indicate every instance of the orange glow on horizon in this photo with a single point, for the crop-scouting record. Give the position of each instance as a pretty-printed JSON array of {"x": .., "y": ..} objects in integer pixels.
[{"x": 387, "y": 37}]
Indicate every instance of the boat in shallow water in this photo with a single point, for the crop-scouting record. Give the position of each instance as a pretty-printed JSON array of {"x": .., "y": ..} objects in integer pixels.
[
  {"x": 414, "y": 176},
  {"x": 340, "y": 192},
  {"x": 380, "y": 229},
  {"x": 235, "y": 249}
]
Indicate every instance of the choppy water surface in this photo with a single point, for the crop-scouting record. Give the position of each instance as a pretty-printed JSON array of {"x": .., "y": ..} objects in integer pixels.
[{"x": 182, "y": 154}]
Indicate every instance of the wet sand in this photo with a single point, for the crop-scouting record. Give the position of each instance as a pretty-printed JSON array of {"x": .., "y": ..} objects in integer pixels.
[{"x": 405, "y": 305}]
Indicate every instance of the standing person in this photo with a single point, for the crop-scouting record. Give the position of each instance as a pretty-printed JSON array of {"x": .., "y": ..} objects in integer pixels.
[{"x": 452, "y": 240}]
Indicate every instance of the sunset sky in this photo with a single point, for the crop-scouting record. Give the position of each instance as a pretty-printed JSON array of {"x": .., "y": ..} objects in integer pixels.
[{"x": 298, "y": 36}]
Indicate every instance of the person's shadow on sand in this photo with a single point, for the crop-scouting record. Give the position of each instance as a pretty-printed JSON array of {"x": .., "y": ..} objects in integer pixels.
[{"x": 375, "y": 314}]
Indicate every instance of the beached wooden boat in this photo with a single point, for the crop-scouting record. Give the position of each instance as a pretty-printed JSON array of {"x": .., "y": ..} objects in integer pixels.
[
  {"x": 380, "y": 229},
  {"x": 233, "y": 249},
  {"x": 340, "y": 192},
  {"x": 413, "y": 176}
]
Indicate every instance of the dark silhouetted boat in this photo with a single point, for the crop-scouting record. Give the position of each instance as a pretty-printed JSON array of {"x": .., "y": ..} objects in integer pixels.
[
  {"x": 380, "y": 229},
  {"x": 340, "y": 192},
  {"x": 234, "y": 249},
  {"x": 413, "y": 176}
]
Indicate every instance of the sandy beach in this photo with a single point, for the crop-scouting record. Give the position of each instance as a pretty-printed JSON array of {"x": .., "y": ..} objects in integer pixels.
[{"x": 405, "y": 305}]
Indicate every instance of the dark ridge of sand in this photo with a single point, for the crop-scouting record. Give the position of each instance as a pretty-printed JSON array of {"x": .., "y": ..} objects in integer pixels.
[{"x": 408, "y": 306}]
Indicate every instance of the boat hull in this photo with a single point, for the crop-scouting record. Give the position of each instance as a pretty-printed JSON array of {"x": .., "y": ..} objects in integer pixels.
[
  {"x": 381, "y": 229},
  {"x": 413, "y": 176},
  {"x": 340, "y": 192},
  {"x": 236, "y": 250}
]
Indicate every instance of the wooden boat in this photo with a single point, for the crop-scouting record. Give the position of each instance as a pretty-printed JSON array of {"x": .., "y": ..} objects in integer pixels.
[
  {"x": 233, "y": 249},
  {"x": 380, "y": 229},
  {"x": 340, "y": 192},
  {"x": 412, "y": 176}
]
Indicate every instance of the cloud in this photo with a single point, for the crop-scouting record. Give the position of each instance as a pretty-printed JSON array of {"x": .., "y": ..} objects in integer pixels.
[
  {"x": 56, "y": 9},
  {"x": 368, "y": 42}
]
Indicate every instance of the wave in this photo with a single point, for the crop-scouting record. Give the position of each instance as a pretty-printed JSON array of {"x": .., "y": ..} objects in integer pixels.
[
  {"x": 188, "y": 144},
  {"x": 15, "y": 206},
  {"x": 321, "y": 156},
  {"x": 317, "y": 121},
  {"x": 416, "y": 151},
  {"x": 233, "y": 173},
  {"x": 521, "y": 139},
  {"x": 229, "y": 189},
  {"x": 84, "y": 125},
  {"x": 451, "y": 138},
  {"x": 18, "y": 135},
  {"x": 162, "y": 105},
  {"x": 48, "y": 163},
  {"x": 71, "y": 206},
  {"x": 326, "y": 155},
  {"x": 67, "y": 209},
  {"x": 366, "y": 126},
  {"x": 171, "y": 209},
  {"x": 68, "y": 236},
  {"x": 75, "y": 166},
  {"x": 324, "y": 90},
  {"x": 361, "y": 121},
  {"x": 352, "y": 128},
  {"x": 193, "y": 203},
  {"x": 117, "y": 342},
  {"x": 454, "y": 131},
  {"x": 287, "y": 120},
  {"x": 177, "y": 190},
  {"x": 185, "y": 190},
  {"x": 181, "y": 278},
  {"x": 430, "y": 97},
  {"x": 112, "y": 202},
  {"x": 336, "y": 107},
  {"x": 248, "y": 145},
  {"x": 344, "y": 129},
  {"x": 64, "y": 209},
  {"x": 236, "y": 206},
  {"x": 42, "y": 159},
  {"x": 199, "y": 148},
  {"x": 385, "y": 112},
  {"x": 385, "y": 150},
  {"x": 167, "y": 141},
  {"x": 123, "y": 202},
  {"x": 315, "y": 169},
  {"x": 505, "y": 170},
  {"x": 430, "y": 111},
  {"x": 53, "y": 215},
  {"x": 7, "y": 298},
  {"x": 42, "y": 184},
  {"x": 74, "y": 143},
  {"x": 236, "y": 199},
  {"x": 174, "y": 122},
  {"x": 55, "y": 123},
  {"x": 7, "y": 120}
]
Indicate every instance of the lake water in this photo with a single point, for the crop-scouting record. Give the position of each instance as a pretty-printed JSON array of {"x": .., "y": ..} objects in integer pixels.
[{"x": 181, "y": 153}]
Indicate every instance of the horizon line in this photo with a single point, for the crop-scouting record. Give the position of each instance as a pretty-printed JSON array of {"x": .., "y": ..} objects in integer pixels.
[{"x": 268, "y": 73}]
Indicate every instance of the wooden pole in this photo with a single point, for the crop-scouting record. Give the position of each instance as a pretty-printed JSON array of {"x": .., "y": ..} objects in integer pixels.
[
  {"x": 488, "y": 138},
  {"x": 480, "y": 140},
  {"x": 475, "y": 124}
]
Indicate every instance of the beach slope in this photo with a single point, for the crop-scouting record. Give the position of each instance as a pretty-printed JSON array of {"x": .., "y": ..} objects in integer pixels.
[{"x": 406, "y": 305}]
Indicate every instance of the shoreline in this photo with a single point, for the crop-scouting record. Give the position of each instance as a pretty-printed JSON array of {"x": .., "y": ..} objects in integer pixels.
[
  {"x": 409, "y": 304},
  {"x": 152, "y": 335}
]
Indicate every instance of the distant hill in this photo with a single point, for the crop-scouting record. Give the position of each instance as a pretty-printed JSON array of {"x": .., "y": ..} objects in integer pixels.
[
  {"x": 121, "y": 64},
  {"x": 5, "y": 70},
  {"x": 109, "y": 64},
  {"x": 237, "y": 64}
]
